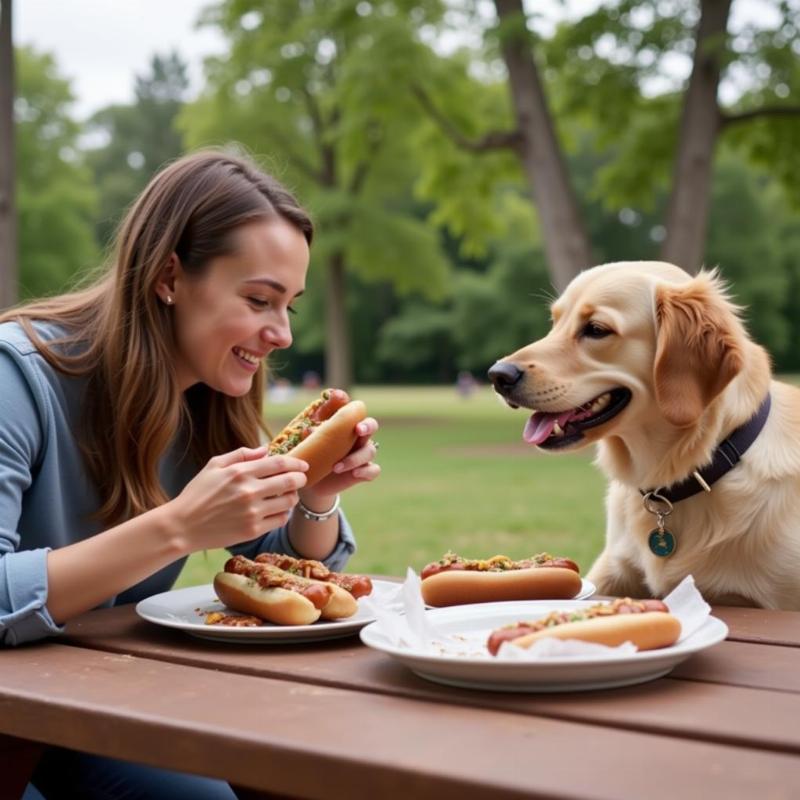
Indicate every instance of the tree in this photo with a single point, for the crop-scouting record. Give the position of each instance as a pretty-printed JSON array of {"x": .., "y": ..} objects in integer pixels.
[
  {"x": 8, "y": 214},
  {"x": 136, "y": 139},
  {"x": 608, "y": 66},
  {"x": 56, "y": 198},
  {"x": 300, "y": 82}
]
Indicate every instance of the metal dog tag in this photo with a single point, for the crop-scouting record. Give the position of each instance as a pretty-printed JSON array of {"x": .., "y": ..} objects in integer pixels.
[{"x": 661, "y": 542}]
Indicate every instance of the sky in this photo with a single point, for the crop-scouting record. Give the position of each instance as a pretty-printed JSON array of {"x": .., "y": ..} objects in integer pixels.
[{"x": 101, "y": 44}]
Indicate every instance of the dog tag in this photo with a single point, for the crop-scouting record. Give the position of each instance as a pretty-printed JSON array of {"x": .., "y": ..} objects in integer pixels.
[{"x": 661, "y": 542}]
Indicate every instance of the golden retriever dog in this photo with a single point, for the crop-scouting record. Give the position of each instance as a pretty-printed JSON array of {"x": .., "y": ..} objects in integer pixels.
[{"x": 655, "y": 367}]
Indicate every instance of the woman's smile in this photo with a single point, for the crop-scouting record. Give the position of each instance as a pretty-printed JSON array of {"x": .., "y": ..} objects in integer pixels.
[{"x": 250, "y": 361}]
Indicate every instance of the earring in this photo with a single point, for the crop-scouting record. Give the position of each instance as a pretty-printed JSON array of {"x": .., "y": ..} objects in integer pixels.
[{"x": 169, "y": 300}]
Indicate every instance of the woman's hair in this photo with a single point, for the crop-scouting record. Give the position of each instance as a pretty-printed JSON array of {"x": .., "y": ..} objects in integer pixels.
[{"x": 119, "y": 334}]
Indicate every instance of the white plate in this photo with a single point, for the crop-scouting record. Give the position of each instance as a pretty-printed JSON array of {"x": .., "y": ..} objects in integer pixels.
[
  {"x": 587, "y": 590},
  {"x": 185, "y": 610},
  {"x": 479, "y": 670}
]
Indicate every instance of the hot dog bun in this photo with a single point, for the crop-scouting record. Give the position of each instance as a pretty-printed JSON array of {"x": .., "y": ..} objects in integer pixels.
[
  {"x": 322, "y": 433},
  {"x": 457, "y": 587},
  {"x": 648, "y": 631},
  {"x": 281, "y": 606},
  {"x": 341, "y": 605},
  {"x": 330, "y": 441}
]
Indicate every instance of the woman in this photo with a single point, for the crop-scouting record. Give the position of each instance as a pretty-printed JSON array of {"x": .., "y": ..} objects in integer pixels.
[{"x": 130, "y": 418}]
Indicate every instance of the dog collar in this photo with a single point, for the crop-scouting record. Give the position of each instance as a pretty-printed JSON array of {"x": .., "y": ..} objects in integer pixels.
[{"x": 726, "y": 456}]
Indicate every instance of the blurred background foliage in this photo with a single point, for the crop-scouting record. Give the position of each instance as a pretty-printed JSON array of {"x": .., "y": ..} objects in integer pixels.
[{"x": 367, "y": 111}]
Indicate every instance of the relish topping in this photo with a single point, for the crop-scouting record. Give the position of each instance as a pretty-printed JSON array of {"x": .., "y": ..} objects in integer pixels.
[
  {"x": 499, "y": 563},
  {"x": 234, "y": 620},
  {"x": 357, "y": 585},
  {"x": 299, "y": 428}
]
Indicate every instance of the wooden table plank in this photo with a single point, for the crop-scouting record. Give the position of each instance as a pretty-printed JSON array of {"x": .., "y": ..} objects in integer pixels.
[
  {"x": 754, "y": 625},
  {"x": 692, "y": 709},
  {"x": 745, "y": 663},
  {"x": 309, "y": 740}
]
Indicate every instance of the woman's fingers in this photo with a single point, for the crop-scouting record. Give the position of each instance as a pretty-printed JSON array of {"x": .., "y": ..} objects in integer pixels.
[
  {"x": 368, "y": 472},
  {"x": 267, "y": 466},
  {"x": 367, "y": 427},
  {"x": 364, "y": 449},
  {"x": 238, "y": 456}
]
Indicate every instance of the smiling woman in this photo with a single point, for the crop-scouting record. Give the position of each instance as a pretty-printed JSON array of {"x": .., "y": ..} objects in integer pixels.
[{"x": 131, "y": 430}]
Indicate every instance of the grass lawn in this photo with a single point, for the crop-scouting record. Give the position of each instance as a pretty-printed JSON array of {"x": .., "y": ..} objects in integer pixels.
[{"x": 456, "y": 475}]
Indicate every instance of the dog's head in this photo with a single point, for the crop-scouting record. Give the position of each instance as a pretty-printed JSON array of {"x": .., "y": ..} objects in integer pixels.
[{"x": 631, "y": 343}]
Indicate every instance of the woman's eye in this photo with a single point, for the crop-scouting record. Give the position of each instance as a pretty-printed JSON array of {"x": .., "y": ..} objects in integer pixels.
[
  {"x": 591, "y": 330},
  {"x": 258, "y": 302}
]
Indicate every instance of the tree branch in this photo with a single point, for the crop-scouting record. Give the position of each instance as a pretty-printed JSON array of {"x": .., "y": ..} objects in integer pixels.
[
  {"x": 375, "y": 134},
  {"x": 494, "y": 140},
  {"x": 299, "y": 161},
  {"x": 766, "y": 111}
]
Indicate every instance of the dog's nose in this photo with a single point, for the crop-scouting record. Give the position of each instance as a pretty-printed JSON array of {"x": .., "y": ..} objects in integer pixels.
[{"x": 504, "y": 375}]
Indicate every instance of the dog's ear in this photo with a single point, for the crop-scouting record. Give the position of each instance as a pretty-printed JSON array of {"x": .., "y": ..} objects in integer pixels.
[{"x": 699, "y": 347}]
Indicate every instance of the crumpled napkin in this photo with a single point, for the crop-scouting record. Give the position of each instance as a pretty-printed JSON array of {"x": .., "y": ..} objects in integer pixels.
[{"x": 405, "y": 624}]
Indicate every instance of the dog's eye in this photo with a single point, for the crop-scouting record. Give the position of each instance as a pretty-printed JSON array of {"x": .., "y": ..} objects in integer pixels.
[{"x": 591, "y": 330}]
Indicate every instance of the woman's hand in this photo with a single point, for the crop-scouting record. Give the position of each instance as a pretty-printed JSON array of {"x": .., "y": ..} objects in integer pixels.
[
  {"x": 236, "y": 497},
  {"x": 356, "y": 467}
]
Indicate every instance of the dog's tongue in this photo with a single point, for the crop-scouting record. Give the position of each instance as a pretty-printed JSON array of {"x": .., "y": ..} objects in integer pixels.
[{"x": 541, "y": 425}]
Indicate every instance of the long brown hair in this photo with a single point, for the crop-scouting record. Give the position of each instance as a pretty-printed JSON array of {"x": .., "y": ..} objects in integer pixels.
[{"x": 119, "y": 335}]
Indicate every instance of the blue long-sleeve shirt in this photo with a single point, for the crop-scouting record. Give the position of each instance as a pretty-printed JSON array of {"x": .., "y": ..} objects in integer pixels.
[{"x": 47, "y": 499}]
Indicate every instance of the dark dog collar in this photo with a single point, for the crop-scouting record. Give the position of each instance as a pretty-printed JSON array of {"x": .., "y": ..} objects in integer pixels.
[{"x": 725, "y": 458}]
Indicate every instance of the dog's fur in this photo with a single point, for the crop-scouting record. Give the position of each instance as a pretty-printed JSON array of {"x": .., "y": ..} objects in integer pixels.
[{"x": 679, "y": 346}]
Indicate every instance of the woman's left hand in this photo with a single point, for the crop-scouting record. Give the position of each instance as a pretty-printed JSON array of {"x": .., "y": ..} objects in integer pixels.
[{"x": 356, "y": 467}]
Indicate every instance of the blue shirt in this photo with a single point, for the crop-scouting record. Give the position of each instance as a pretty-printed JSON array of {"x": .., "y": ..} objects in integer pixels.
[{"x": 47, "y": 498}]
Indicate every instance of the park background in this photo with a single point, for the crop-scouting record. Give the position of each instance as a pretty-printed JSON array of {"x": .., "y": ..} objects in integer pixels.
[{"x": 461, "y": 160}]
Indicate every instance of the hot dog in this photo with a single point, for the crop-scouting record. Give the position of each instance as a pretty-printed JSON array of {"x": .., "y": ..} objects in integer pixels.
[
  {"x": 646, "y": 623},
  {"x": 454, "y": 580},
  {"x": 356, "y": 585},
  {"x": 322, "y": 433},
  {"x": 271, "y": 593}
]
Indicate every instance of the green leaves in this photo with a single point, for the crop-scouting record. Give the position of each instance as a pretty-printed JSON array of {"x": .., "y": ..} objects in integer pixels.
[{"x": 56, "y": 200}]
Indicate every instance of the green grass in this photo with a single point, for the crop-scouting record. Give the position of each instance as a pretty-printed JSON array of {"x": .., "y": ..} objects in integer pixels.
[{"x": 456, "y": 475}]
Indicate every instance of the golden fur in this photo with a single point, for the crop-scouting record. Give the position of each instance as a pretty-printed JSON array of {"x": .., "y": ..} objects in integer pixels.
[{"x": 679, "y": 346}]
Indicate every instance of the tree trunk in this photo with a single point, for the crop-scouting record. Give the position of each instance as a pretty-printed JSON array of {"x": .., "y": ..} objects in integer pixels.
[
  {"x": 687, "y": 213},
  {"x": 8, "y": 215},
  {"x": 338, "y": 354},
  {"x": 566, "y": 242}
]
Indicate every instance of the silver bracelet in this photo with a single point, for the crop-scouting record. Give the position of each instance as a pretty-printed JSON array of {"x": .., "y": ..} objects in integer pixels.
[{"x": 316, "y": 516}]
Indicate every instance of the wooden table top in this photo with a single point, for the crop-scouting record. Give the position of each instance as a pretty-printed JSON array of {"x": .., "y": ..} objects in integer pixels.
[{"x": 322, "y": 720}]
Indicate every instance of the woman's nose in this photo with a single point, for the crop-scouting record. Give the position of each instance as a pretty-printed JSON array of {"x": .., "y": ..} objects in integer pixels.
[{"x": 279, "y": 337}]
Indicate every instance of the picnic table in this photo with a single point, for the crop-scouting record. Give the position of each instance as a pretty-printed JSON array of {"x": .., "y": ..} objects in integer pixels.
[{"x": 335, "y": 719}]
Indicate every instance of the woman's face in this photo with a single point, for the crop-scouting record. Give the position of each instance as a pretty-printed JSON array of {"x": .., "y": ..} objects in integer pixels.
[{"x": 231, "y": 317}]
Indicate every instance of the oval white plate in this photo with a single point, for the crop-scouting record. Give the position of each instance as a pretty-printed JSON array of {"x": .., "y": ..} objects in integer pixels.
[
  {"x": 185, "y": 609},
  {"x": 474, "y": 670}
]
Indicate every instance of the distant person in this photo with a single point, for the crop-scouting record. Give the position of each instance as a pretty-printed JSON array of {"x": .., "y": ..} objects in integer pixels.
[
  {"x": 311, "y": 380},
  {"x": 281, "y": 391},
  {"x": 131, "y": 426},
  {"x": 466, "y": 384}
]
